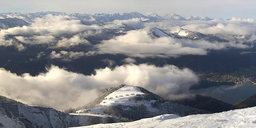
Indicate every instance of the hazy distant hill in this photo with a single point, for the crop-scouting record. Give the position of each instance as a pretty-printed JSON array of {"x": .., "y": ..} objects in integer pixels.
[
  {"x": 248, "y": 102},
  {"x": 205, "y": 103}
]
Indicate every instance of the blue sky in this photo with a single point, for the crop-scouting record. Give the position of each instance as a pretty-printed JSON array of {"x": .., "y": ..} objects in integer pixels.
[{"x": 211, "y": 8}]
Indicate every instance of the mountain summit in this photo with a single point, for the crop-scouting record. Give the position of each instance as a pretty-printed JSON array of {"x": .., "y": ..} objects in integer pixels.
[{"x": 133, "y": 103}]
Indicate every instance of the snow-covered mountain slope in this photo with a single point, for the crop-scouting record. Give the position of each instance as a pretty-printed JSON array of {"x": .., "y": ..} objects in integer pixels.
[
  {"x": 244, "y": 118},
  {"x": 181, "y": 33},
  {"x": 122, "y": 96},
  {"x": 33, "y": 116},
  {"x": 13, "y": 113},
  {"x": 133, "y": 103},
  {"x": 156, "y": 33},
  {"x": 6, "y": 122},
  {"x": 11, "y": 22}
]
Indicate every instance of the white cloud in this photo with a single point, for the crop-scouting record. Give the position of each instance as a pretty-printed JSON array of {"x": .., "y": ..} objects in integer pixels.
[
  {"x": 52, "y": 25},
  {"x": 109, "y": 62},
  {"x": 139, "y": 43},
  {"x": 161, "y": 80},
  {"x": 236, "y": 19},
  {"x": 73, "y": 41},
  {"x": 41, "y": 39},
  {"x": 133, "y": 23},
  {"x": 67, "y": 55},
  {"x": 61, "y": 89},
  {"x": 56, "y": 88},
  {"x": 64, "y": 31},
  {"x": 235, "y": 26},
  {"x": 50, "y": 30},
  {"x": 129, "y": 60}
]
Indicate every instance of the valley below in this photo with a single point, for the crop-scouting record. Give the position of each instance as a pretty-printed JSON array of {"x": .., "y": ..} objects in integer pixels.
[{"x": 60, "y": 70}]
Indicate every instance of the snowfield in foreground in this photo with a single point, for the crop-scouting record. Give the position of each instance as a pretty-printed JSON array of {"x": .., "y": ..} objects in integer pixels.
[{"x": 243, "y": 118}]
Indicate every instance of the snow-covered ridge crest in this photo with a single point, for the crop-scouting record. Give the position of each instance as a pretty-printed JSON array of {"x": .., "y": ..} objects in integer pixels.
[
  {"x": 131, "y": 103},
  {"x": 122, "y": 96}
]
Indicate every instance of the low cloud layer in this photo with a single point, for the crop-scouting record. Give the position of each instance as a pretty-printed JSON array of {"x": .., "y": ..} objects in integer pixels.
[
  {"x": 60, "y": 30},
  {"x": 234, "y": 26},
  {"x": 56, "y": 88},
  {"x": 161, "y": 80},
  {"x": 61, "y": 89},
  {"x": 140, "y": 43},
  {"x": 132, "y": 34}
]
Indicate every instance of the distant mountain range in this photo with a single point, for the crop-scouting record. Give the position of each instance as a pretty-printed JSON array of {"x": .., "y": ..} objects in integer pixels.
[
  {"x": 105, "y": 27},
  {"x": 105, "y": 17},
  {"x": 12, "y": 22},
  {"x": 84, "y": 43}
]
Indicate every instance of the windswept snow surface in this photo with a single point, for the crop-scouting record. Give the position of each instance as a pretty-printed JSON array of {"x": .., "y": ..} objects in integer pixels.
[
  {"x": 183, "y": 33},
  {"x": 122, "y": 96},
  {"x": 243, "y": 118}
]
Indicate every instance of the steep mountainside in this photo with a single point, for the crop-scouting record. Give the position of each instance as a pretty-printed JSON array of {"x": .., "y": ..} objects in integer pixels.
[
  {"x": 12, "y": 22},
  {"x": 133, "y": 103},
  {"x": 38, "y": 117}
]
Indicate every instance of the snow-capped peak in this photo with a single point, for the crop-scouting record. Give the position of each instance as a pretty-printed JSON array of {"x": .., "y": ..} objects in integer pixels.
[
  {"x": 198, "y": 18},
  {"x": 133, "y": 103},
  {"x": 174, "y": 17},
  {"x": 122, "y": 96},
  {"x": 181, "y": 32}
]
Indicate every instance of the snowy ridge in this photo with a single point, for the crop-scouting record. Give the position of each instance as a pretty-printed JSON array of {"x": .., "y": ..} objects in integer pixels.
[
  {"x": 181, "y": 32},
  {"x": 156, "y": 32},
  {"x": 16, "y": 115},
  {"x": 122, "y": 96},
  {"x": 125, "y": 96},
  {"x": 244, "y": 118},
  {"x": 174, "y": 17},
  {"x": 11, "y": 22},
  {"x": 130, "y": 103}
]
